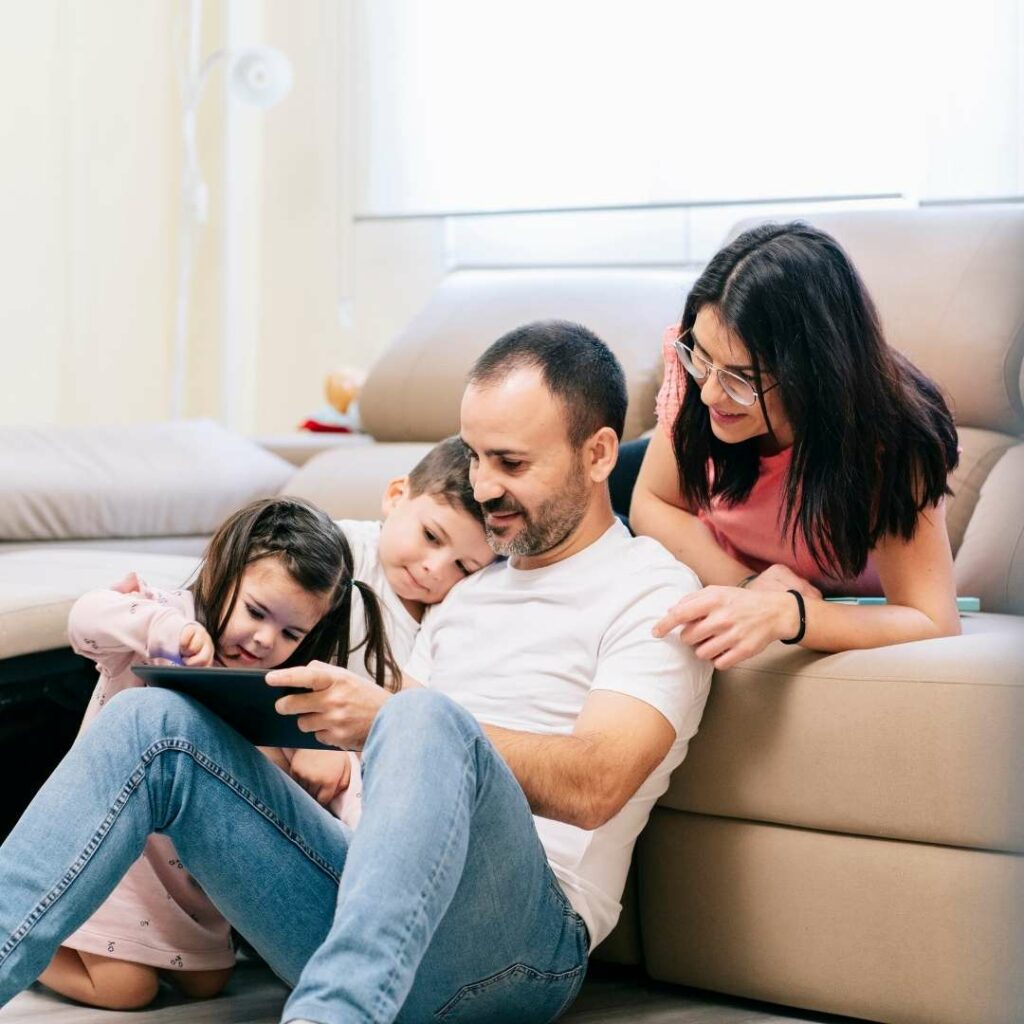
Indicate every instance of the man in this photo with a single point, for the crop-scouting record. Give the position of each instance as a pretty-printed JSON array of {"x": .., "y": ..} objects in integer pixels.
[{"x": 501, "y": 798}]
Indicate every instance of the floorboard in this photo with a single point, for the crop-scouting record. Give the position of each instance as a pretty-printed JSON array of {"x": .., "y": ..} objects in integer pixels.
[{"x": 609, "y": 996}]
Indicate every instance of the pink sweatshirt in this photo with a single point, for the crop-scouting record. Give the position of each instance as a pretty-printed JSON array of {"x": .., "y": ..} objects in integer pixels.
[{"x": 750, "y": 531}]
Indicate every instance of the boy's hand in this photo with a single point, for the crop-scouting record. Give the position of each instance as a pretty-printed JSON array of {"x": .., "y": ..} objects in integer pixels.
[
  {"x": 195, "y": 646},
  {"x": 323, "y": 774}
]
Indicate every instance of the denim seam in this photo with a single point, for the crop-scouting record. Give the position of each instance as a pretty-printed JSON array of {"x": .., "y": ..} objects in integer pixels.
[
  {"x": 418, "y": 913},
  {"x": 131, "y": 786},
  {"x": 517, "y": 968}
]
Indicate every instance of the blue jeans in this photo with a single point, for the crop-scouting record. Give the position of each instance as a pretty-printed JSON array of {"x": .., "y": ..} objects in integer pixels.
[{"x": 441, "y": 907}]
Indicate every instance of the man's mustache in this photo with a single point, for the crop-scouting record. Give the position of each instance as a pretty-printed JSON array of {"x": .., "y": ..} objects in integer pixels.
[{"x": 497, "y": 506}]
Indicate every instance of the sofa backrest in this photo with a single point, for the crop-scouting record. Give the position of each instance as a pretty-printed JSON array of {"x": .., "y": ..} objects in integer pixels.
[{"x": 413, "y": 391}]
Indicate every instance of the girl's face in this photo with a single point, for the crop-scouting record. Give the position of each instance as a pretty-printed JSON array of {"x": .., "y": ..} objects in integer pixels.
[
  {"x": 731, "y": 422},
  {"x": 271, "y": 616}
]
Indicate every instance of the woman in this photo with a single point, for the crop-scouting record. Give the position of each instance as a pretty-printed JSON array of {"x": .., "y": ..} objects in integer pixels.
[{"x": 797, "y": 454}]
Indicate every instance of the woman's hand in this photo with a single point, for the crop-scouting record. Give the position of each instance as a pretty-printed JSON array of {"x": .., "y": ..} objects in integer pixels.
[
  {"x": 727, "y": 625},
  {"x": 195, "y": 646},
  {"x": 781, "y": 578},
  {"x": 323, "y": 774}
]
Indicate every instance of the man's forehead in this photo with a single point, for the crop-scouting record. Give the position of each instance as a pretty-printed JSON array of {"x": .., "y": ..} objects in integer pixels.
[{"x": 518, "y": 408}]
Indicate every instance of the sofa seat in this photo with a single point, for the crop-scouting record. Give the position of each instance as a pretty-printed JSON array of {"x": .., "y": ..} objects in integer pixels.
[{"x": 37, "y": 593}]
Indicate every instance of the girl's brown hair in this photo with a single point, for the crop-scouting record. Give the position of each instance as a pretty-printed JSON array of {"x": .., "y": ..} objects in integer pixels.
[{"x": 316, "y": 554}]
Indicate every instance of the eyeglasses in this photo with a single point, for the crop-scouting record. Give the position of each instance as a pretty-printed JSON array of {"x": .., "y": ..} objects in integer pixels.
[{"x": 738, "y": 388}]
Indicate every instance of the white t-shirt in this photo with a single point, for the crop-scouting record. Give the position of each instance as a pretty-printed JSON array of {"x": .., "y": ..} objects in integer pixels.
[
  {"x": 522, "y": 649},
  {"x": 363, "y": 536}
]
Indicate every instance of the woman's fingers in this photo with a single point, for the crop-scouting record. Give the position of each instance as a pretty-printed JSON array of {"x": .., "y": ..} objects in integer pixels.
[{"x": 689, "y": 609}]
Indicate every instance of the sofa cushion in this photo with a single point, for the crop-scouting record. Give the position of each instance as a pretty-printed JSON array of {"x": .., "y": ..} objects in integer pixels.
[
  {"x": 990, "y": 561},
  {"x": 414, "y": 389},
  {"x": 921, "y": 741},
  {"x": 37, "y": 589},
  {"x": 151, "y": 480}
]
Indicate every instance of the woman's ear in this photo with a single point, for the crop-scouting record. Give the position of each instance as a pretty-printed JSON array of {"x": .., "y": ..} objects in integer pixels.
[{"x": 393, "y": 494}]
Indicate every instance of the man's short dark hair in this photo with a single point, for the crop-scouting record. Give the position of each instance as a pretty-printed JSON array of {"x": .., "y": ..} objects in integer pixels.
[
  {"x": 444, "y": 473},
  {"x": 575, "y": 365}
]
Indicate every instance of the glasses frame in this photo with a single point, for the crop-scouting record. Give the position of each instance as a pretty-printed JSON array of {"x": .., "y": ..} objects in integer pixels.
[{"x": 685, "y": 354}]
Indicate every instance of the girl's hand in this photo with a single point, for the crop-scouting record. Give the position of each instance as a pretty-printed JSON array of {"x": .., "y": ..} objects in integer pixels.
[
  {"x": 781, "y": 577},
  {"x": 323, "y": 774},
  {"x": 195, "y": 646},
  {"x": 727, "y": 625}
]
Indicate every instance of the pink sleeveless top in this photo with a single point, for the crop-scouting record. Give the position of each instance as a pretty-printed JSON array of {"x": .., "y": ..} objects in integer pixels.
[{"x": 751, "y": 532}]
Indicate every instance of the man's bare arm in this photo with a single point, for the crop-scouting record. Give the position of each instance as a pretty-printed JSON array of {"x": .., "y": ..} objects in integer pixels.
[
  {"x": 587, "y": 777},
  {"x": 584, "y": 778}
]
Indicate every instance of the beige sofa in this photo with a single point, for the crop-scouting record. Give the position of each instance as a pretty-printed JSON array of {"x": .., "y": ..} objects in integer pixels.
[{"x": 845, "y": 834}]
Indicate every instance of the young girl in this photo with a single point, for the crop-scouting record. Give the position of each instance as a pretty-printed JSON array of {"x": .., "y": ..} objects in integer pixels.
[
  {"x": 274, "y": 589},
  {"x": 797, "y": 454}
]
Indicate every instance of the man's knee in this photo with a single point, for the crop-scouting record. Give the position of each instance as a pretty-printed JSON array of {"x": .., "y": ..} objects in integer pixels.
[
  {"x": 421, "y": 712},
  {"x": 151, "y": 712}
]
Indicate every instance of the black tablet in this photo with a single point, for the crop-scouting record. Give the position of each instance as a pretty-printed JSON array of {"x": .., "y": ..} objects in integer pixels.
[{"x": 241, "y": 697}]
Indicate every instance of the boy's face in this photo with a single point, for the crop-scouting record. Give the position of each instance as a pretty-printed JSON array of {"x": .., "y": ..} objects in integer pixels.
[{"x": 427, "y": 545}]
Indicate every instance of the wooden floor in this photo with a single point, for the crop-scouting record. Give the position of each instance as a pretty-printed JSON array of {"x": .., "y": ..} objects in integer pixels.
[{"x": 609, "y": 996}]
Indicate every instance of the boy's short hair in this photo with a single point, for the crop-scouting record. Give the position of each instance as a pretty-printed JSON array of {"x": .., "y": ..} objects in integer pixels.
[{"x": 444, "y": 473}]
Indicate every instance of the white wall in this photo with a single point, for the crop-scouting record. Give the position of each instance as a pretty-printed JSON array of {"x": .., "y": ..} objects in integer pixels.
[{"x": 87, "y": 191}]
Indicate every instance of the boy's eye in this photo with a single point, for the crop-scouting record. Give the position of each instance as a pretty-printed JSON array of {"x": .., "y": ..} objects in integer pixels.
[
  {"x": 462, "y": 568},
  {"x": 430, "y": 536}
]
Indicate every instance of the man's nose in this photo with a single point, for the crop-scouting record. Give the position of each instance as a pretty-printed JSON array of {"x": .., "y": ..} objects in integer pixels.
[{"x": 485, "y": 486}]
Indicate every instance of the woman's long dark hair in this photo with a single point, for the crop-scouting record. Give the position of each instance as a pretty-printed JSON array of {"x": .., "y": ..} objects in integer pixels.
[
  {"x": 874, "y": 440},
  {"x": 316, "y": 554}
]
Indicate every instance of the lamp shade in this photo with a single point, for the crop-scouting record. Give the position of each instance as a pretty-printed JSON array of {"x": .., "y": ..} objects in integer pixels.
[{"x": 259, "y": 76}]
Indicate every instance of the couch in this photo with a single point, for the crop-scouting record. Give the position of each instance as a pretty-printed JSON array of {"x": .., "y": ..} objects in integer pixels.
[{"x": 846, "y": 832}]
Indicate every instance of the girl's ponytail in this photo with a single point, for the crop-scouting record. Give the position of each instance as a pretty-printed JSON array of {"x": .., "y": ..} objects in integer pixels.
[{"x": 379, "y": 659}]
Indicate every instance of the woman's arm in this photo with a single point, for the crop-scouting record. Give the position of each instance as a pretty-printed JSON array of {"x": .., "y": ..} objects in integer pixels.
[
  {"x": 726, "y": 625},
  {"x": 658, "y": 510},
  {"x": 917, "y": 581}
]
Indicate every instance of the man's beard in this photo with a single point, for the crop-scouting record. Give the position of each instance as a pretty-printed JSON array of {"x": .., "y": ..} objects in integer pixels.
[{"x": 546, "y": 528}]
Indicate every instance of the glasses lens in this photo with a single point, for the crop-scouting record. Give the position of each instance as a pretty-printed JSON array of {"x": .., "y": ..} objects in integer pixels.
[
  {"x": 739, "y": 390},
  {"x": 692, "y": 363}
]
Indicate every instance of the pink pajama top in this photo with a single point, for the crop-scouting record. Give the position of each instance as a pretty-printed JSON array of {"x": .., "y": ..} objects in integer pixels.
[
  {"x": 157, "y": 915},
  {"x": 751, "y": 531}
]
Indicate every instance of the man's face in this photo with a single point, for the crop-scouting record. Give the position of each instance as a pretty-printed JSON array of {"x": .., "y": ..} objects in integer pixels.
[{"x": 533, "y": 487}]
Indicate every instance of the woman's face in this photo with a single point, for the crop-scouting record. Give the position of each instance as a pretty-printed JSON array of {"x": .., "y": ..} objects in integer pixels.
[{"x": 731, "y": 422}]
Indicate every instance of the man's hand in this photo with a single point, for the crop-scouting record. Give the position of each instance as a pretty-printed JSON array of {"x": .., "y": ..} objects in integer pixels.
[
  {"x": 195, "y": 646},
  {"x": 340, "y": 706},
  {"x": 323, "y": 774}
]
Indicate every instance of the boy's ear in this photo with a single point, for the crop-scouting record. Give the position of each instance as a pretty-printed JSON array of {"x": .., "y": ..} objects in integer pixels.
[{"x": 393, "y": 494}]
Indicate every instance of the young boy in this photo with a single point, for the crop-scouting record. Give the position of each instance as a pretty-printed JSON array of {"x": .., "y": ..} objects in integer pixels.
[{"x": 431, "y": 537}]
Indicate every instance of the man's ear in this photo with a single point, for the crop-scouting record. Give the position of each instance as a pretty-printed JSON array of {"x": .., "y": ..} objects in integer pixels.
[
  {"x": 393, "y": 494},
  {"x": 602, "y": 454}
]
